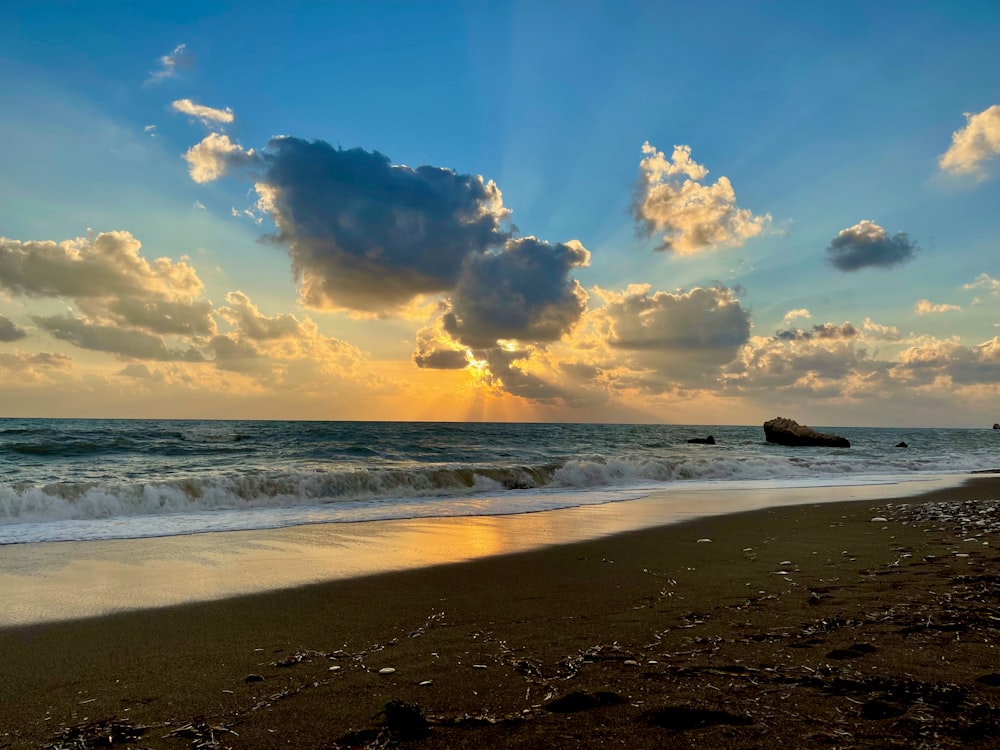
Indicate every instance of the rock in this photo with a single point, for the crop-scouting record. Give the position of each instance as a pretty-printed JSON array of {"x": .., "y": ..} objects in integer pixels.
[
  {"x": 996, "y": 425},
  {"x": 902, "y": 445},
  {"x": 789, "y": 432},
  {"x": 387, "y": 670},
  {"x": 253, "y": 678},
  {"x": 710, "y": 440}
]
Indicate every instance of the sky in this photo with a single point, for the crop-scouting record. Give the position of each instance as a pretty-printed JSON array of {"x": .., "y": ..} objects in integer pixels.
[{"x": 693, "y": 213}]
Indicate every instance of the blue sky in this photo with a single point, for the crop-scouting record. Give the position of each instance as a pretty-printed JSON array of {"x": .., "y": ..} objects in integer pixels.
[{"x": 823, "y": 246}]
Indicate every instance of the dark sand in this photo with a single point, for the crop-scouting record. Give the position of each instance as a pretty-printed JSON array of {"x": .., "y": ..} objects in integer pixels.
[{"x": 797, "y": 627}]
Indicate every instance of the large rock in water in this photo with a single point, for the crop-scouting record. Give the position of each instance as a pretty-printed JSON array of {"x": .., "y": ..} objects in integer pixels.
[{"x": 789, "y": 432}]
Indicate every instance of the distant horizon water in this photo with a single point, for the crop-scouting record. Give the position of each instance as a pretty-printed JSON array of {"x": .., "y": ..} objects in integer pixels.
[{"x": 93, "y": 479}]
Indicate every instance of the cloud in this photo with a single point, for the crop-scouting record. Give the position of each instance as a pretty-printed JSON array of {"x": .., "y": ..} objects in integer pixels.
[
  {"x": 949, "y": 362},
  {"x": 110, "y": 280},
  {"x": 820, "y": 331},
  {"x": 796, "y": 314},
  {"x": 209, "y": 116},
  {"x": 984, "y": 281},
  {"x": 437, "y": 351},
  {"x": 368, "y": 235},
  {"x": 215, "y": 155},
  {"x": 125, "y": 343},
  {"x": 691, "y": 216},
  {"x": 9, "y": 331},
  {"x": 926, "y": 307},
  {"x": 684, "y": 337},
  {"x": 868, "y": 244},
  {"x": 21, "y": 368},
  {"x": 522, "y": 293},
  {"x": 179, "y": 59},
  {"x": 973, "y": 145}
]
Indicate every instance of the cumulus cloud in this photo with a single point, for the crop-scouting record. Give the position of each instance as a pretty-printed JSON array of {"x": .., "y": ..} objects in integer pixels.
[
  {"x": 926, "y": 307},
  {"x": 215, "y": 155},
  {"x": 9, "y": 331},
  {"x": 691, "y": 216},
  {"x": 867, "y": 244},
  {"x": 974, "y": 145},
  {"x": 281, "y": 349},
  {"x": 110, "y": 280},
  {"x": 683, "y": 337},
  {"x": 209, "y": 116},
  {"x": 367, "y": 235},
  {"x": 948, "y": 361},
  {"x": 437, "y": 351},
  {"x": 984, "y": 281},
  {"x": 522, "y": 293},
  {"x": 179, "y": 59}
]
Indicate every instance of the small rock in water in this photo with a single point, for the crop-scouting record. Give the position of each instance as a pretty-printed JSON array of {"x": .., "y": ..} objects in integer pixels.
[
  {"x": 880, "y": 519},
  {"x": 334, "y": 668},
  {"x": 785, "y": 562},
  {"x": 387, "y": 670},
  {"x": 425, "y": 683},
  {"x": 253, "y": 678},
  {"x": 702, "y": 541}
]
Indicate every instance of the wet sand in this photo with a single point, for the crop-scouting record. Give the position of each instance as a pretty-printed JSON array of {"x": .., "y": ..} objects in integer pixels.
[{"x": 804, "y": 626}]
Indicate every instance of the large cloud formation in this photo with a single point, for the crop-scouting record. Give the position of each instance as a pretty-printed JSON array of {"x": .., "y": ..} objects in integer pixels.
[
  {"x": 363, "y": 233},
  {"x": 690, "y": 215},
  {"x": 973, "y": 145},
  {"x": 866, "y": 244}
]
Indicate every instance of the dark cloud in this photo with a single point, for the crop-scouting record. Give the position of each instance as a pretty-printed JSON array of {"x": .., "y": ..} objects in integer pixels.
[
  {"x": 522, "y": 293},
  {"x": 9, "y": 331},
  {"x": 867, "y": 244},
  {"x": 104, "y": 338},
  {"x": 821, "y": 331},
  {"x": 368, "y": 235},
  {"x": 440, "y": 359}
]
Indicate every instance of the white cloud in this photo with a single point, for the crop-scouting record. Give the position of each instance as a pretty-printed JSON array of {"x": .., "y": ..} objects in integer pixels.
[
  {"x": 984, "y": 281},
  {"x": 208, "y": 115},
  {"x": 973, "y": 145},
  {"x": 690, "y": 215},
  {"x": 926, "y": 307},
  {"x": 792, "y": 315},
  {"x": 215, "y": 155},
  {"x": 179, "y": 59}
]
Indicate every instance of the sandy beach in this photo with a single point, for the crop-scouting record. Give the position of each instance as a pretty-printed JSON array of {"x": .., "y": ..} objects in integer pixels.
[{"x": 812, "y": 625}]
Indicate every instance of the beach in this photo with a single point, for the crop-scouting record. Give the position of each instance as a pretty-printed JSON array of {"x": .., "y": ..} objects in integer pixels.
[{"x": 809, "y": 625}]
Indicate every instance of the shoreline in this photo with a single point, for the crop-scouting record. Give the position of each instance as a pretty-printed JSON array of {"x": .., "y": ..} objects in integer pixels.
[
  {"x": 804, "y": 625},
  {"x": 54, "y": 581}
]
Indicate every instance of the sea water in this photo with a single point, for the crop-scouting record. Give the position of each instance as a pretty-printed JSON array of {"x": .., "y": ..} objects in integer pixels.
[{"x": 100, "y": 479}]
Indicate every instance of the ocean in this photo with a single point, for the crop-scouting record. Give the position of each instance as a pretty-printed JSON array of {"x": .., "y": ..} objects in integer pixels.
[{"x": 97, "y": 479}]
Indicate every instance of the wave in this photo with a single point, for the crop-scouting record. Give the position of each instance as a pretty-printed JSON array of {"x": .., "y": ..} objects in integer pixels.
[{"x": 25, "y": 502}]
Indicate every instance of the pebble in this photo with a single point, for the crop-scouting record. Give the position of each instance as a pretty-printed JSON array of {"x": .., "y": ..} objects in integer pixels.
[
  {"x": 253, "y": 678},
  {"x": 630, "y": 663},
  {"x": 880, "y": 519},
  {"x": 387, "y": 670},
  {"x": 425, "y": 683},
  {"x": 701, "y": 541},
  {"x": 335, "y": 667},
  {"x": 479, "y": 666}
]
